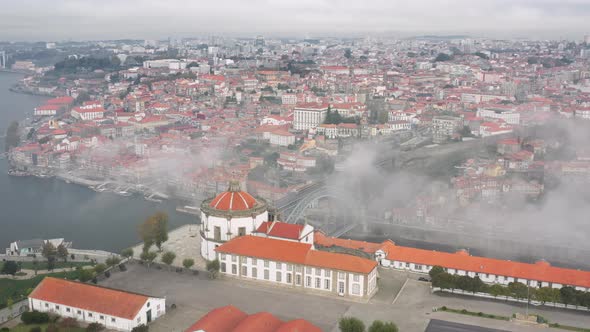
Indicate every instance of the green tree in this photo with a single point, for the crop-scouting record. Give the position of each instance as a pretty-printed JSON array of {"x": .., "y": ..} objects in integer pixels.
[
  {"x": 81, "y": 98},
  {"x": 12, "y": 136},
  {"x": 518, "y": 290},
  {"x": 188, "y": 263},
  {"x": 62, "y": 252},
  {"x": 112, "y": 261},
  {"x": 544, "y": 294},
  {"x": 442, "y": 57},
  {"x": 10, "y": 267},
  {"x": 213, "y": 268},
  {"x": 127, "y": 253},
  {"x": 168, "y": 258},
  {"x": 148, "y": 257},
  {"x": 9, "y": 303},
  {"x": 445, "y": 281},
  {"x": 94, "y": 327},
  {"x": 35, "y": 265},
  {"x": 154, "y": 230},
  {"x": 435, "y": 271},
  {"x": 100, "y": 268},
  {"x": 50, "y": 253},
  {"x": 568, "y": 295},
  {"x": 351, "y": 324},
  {"x": 497, "y": 290},
  {"x": 379, "y": 326},
  {"x": 140, "y": 328},
  {"x": 85, "y": 275}
]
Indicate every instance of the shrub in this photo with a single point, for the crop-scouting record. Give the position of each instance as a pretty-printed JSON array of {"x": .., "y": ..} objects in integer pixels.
[
  {"x": 122, "y": 267},
  {"x": 94, "y": 327},
  {"x": 5, "y": 329},
  {"x": 69, "y": 323},
  {"x": 480, "y": 314},
  {"x": 94, "y": 280},
  {"x": 35, "y": 329},
  {"x": 463, "y": 311},
  {"x": 34, "y": 317},
  {"x": 443, "y": 308},
  {"x": 351, "y": 324}
]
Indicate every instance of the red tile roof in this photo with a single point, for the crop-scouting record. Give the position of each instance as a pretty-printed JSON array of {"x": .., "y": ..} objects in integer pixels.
[
  {"x": 232, "y": 319},
  {"x": 89, "y": 297},
  {"x": 296, "y": 253},
  {"x": 219, "y": 320},
  {"x": 281, "y": 229},
  {"x": 233, "y": 201}
]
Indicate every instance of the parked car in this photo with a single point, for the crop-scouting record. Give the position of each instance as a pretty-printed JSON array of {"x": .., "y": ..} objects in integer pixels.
[{"x": 423, "y": 279}]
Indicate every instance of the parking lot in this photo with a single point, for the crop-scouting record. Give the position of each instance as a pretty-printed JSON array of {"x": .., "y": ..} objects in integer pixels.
[{"x": 411, "y": 309}]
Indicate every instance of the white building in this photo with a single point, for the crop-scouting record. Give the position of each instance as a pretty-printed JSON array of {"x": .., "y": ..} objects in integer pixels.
[
  {"x": 298, "y": 265},
  {"x": 309, "y": 116},
  {"x": 88, "y": 112},
  {"x": 231, "y": 214},
  {"x": 46, "y": 110},
  {"x": 281, "y": 138},
  {"x": 507, "y": 115},
  {"x": 114, "y": 309}
]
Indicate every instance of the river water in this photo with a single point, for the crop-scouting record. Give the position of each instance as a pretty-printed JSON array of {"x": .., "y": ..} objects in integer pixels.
[{"x": 47, "y": 208}]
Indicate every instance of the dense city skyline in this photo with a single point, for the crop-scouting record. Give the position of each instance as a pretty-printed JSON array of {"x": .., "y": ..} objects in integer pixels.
[{"x": 93, "y": 20}]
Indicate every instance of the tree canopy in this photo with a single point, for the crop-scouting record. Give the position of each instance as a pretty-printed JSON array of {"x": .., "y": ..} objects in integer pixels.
[
  {"x": 10, "y": 267},
  {"x": 379, "y": 326},
  {"x": 154, "y": 230},
  {"x": 351, "y": 324}
]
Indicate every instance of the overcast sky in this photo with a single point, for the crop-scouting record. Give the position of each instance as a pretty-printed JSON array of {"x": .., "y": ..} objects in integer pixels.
[{"x": 117, "y": 19}]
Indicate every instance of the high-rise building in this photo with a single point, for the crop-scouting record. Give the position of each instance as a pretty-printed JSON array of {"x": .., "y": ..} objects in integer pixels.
[
  {"x": 259, "y": 41},
  {"x": 2, "y": 59}
]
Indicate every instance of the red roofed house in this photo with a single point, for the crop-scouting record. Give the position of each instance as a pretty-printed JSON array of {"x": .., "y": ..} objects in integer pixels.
[
  {"x": 114, "y": 309},
  {"x": 285, "y": 231},
  {"x": 298, "y": 265},
  {"x": 232, "y": 319}
]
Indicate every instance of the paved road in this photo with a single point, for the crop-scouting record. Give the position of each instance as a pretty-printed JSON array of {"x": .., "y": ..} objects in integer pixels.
[{"x": 437, "y": 325}]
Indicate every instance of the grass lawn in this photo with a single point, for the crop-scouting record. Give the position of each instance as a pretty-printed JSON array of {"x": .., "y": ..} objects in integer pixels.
[
  {"x": 27, "y": 328},
  {"x": 42, "y": 264},
  {"x": 18, "y": 289}
]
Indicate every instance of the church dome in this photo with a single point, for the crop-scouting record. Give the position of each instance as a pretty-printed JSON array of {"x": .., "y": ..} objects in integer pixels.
[{"x": 234, "y": 199}]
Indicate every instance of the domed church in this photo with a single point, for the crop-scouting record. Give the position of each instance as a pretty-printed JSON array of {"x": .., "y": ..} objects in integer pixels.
[{"x": 230, "y": 214}]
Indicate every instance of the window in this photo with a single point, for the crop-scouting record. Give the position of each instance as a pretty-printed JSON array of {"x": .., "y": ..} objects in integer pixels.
[
  {"x": 112, "y": 320},
  {"x": 298, "y": 279},
  {"x": 266, "y": 275},
  {"x": 217, "y": 233},
  {"x": 318, "y": 283},
  {"x": 67, "y": 309},
  {"x": 148, "y": 304},
  {"x": 79, "y": 312},
  {"x": 279, "y": 266},
  {"x": 57, "y": 307},
  {"x": 241, "y": 231},
  {"x": 341, "y": 287},
  {"x": 289, "y": 278},
  {"x": 318, "y": 272},
  {"x": 341, "y": 275},
  {"x": 266, "y": 264},
  {"x": 234, "y": 258},
  {"x": 356, "y": 289},
  {"x": 101, "y": 317},
  {"x": 289, "y": 267},
  {"x": 234, "y": 269},
  {"x": 279, "y": 276},
  {"x": 407, "y": 264},
  {"x": 308, "y": 281},
  {"x": 46, "y": 305},
  {"x": 299, "y": 268},
  {"x": 328, "y": 273},
  {"x": 245, "y": 271},
  {"x": 222, "y": 268},
  {"x": 222, "y": 257},
  {"x": 89, "y": 314},
  {"x": 254, "y": 272},
  {"x": 139, "y": 319},
  {"x": 418, "y": 266},
  {"x": 327, "y": 284},
  {"x": 356, "y": 278},
  {"x": 254, "y": 261},
  {"x": 308, "y": 270}
]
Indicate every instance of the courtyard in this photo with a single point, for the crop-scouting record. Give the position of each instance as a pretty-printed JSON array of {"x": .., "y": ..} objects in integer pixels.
[{"x": 401, "y": 298}]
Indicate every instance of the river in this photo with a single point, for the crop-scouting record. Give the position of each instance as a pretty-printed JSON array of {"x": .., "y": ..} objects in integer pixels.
[{"x": 47, "y": 208}]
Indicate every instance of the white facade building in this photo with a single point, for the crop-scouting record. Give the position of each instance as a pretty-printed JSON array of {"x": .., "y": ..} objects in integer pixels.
[
  {"x": 114, "y": 309},
  {"x": 309, "y": 117},
  {"x": 508, "y": 116}
]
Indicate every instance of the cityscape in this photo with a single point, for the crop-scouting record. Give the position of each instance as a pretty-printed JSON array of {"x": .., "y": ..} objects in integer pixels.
[{"x": 352, "y": 167}]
